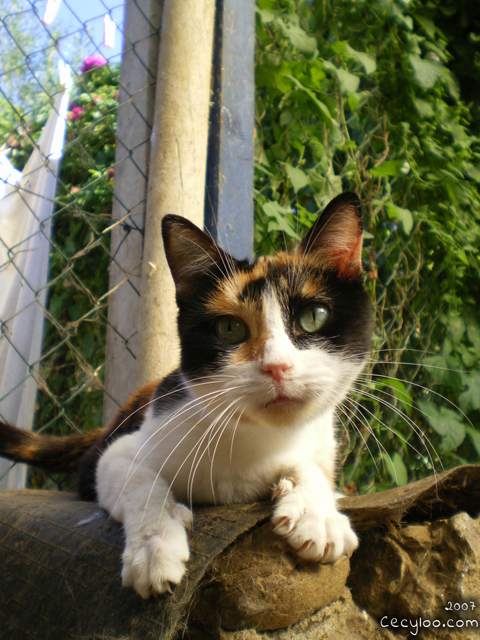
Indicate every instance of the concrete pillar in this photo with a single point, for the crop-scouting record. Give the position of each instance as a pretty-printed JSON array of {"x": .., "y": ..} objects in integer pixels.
[
  {"x": 134, "y": 125},
  {"x": 177, "y": 168}
]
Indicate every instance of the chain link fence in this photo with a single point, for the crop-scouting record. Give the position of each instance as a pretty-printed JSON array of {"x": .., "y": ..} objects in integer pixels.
[{"x": 57, "y": 255}]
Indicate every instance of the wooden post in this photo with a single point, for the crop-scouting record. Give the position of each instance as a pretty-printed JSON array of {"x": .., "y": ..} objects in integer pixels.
[
  {"x": 177, "y": 169},
  {"x": 134, "y": 124},
  {"x": 229, "y": 198}
]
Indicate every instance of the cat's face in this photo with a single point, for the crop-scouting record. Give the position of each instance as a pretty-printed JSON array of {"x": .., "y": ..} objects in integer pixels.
[{"x": 279, "y": 340}]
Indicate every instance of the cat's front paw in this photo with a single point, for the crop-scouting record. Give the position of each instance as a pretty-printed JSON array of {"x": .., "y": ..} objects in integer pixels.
[
  {"x": 155, "y": 560},
  {"x": 320, "y": 536}
]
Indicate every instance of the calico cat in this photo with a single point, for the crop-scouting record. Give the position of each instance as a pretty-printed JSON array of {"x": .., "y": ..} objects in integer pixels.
[{"x": 268, "y": 351}]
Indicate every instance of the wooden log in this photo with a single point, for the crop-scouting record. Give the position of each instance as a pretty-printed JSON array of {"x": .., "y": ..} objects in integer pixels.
[{"x": 438, "y": 496}]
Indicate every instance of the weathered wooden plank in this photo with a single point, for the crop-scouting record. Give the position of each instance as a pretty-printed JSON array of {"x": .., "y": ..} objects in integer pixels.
[{"x": 178, "y": 162}]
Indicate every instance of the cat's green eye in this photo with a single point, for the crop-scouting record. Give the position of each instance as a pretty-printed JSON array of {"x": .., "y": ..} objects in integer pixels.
[
  {"x": 231, "y": 330},
  {"x": 312, "y": 318}
]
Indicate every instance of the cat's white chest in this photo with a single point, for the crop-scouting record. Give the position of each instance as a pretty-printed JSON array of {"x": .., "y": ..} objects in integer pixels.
[{"x": 235, "y": 462}]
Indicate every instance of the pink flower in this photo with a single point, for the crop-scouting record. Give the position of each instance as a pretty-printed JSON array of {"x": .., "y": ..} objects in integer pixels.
[
  {"x": 77, "y": 112},
  {"x": 95, "y": 60}
]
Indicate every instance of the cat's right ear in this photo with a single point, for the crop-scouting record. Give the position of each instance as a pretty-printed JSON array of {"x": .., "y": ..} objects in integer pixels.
[{"x": 191, "y": 253}]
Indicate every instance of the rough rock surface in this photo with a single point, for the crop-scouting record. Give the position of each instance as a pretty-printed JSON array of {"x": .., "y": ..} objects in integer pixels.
[
  {"x": 339, "y": 620},
  {"x": 258, "y": 583},
  {"x": 426, "y": 575}
]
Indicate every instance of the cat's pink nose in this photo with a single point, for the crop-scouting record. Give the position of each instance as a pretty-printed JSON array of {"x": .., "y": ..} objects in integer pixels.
[{"x": 275, "y": 371}]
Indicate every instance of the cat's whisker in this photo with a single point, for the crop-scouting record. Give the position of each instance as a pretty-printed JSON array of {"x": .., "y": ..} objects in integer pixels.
[
  {"x": 185, "y": 385},
  {"x": 158, "y": 475},
  {"x": 197, "y": 445},
  {"x": 367, "y": 427},
  {"x": 416, "y": 364},
  {"x": 225, "y": 425},
  {"x": 228, "y": 263},
  {"x": 370, "y": 430},
  {"x": 213, "y": 261},
  {"x": 207, "y": 399},
  {"x": 421, "y": 435},
  {"x": 195, "y": 449},
  {"x": 415, "y": 428},
  {"x": 234, "y": 432},
  {"x": 212, "y": 432},
  {"x": 289, "y": 266},
  {"x": 183, "y": 410},
  {"x": 424, "y": 388}
]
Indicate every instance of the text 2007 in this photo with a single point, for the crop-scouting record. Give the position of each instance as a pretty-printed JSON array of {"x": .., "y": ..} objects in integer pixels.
[{"x": 456, "y": 606}]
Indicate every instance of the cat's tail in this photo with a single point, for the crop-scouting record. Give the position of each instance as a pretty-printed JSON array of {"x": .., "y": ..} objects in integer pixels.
[
  {"x": 58, "y": 454},
  {"x": 51, "y": 453}
]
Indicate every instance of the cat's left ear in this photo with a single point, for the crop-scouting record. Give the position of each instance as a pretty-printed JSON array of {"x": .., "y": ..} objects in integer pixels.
[
  {"x": 336, "y": 237},
  {"x": 191, "y": 253}
]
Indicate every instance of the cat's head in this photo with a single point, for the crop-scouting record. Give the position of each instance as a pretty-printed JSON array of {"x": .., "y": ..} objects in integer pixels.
[{"x": 283, "y": 337}]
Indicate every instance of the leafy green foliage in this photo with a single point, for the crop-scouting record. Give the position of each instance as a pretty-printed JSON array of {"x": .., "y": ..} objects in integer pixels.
[
  {"x": 375, "y": 107},
  {"x": 76, "y": 330}
]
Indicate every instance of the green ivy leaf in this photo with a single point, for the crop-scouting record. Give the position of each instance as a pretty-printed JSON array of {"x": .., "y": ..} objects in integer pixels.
[
  {"x": 425, "y": 109},
  {"x": 298, "y": 37},
  {"x": 390, "y": 168},
  {"x": 396, "y": 469},
  {"x": 349, "y": 82},
  {"x": 400, "y": 391},
  {"x": 471, "y": 171},
  {"x": 475, "y": 437},
  {"x": 470, "y": 399},
  {"x": 440, "y": 370},
  {"x": 280, "y": 220},
  {"x": 446, "y": 423},
  {"x": 368, "y": 63},
  {"x": 343, "y": 48},
  {"x": 456, "y": 328},
  {"x": 473, "y": 333},
  {"x": 297, "y": 177},
  {"x": 404, "y": 215},
  {"x": 266, "y": 16},
  {"x": 426, "y": 73},
  {"x": 322, "y": 108}
]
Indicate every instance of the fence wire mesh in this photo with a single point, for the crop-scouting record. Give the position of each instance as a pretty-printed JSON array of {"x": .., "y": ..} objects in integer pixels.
[{"x": 70, "y": 371}]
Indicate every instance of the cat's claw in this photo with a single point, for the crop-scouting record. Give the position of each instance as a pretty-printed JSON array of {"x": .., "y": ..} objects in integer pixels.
[
  {"x": 283, "y": 487},
  {"x": 315, "y": 536},
  {"x": 283, "y": 525},
  {"x": 154, "y": 562}
]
